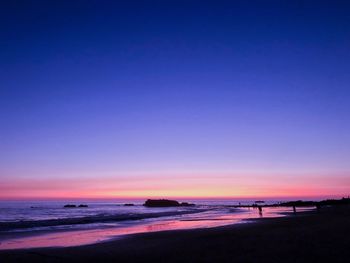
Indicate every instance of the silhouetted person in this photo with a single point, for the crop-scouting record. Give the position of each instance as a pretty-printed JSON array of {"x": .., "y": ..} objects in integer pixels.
[
  {"x": 294, "y": 209},
  {"x": 260, "y": 210}
]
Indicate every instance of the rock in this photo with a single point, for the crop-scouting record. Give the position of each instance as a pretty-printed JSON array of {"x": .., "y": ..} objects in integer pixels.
[
  {"x": 161, "y": 203},
  {"x": 70, "y": 206},
  {"x": 83, "y": 206},
  {"x": 128, "y": 204},
  {"x": 164, "y": 203}
]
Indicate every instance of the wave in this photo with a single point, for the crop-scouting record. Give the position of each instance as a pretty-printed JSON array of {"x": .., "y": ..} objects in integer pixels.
[{"x": 6, "y": 226}]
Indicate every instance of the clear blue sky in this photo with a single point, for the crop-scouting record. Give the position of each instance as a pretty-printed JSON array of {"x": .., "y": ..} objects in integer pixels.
[{"x": 101, "y": 88}]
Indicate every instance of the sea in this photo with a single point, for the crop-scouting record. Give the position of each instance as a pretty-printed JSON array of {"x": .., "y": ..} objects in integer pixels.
[{"x": 32, "y": 224}]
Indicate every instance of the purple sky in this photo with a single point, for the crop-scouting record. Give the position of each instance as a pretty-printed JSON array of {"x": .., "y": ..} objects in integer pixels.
[{"x": 166, "y": 98}]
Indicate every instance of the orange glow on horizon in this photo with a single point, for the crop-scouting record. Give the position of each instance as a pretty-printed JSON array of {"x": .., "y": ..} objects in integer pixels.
[{"x": 179, "y": 186}]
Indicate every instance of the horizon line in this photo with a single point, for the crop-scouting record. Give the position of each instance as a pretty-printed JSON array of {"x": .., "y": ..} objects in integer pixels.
[{"x": 173, "y": 197}]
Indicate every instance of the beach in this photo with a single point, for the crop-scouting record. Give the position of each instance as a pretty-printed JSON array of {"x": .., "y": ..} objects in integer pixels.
[
  {"x": 51, "y": 224},
  {"x": 306, "y": 237}
]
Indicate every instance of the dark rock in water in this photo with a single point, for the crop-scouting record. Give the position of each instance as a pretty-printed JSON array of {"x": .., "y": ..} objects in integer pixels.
[
  {"x": 161, "y": 203},
  {"x": 128, "y": 204},
  {"x": 74, "y": 206},
  {"x": 70, "y": 206},
  {"x": 164, "y": 203}
]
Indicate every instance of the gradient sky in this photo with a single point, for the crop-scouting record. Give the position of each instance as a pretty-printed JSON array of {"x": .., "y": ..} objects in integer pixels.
[{"x": 174, "y": 98}]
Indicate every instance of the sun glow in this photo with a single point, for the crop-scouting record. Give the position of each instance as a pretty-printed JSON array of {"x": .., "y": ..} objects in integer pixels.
[{"x": 181, "y": 185}]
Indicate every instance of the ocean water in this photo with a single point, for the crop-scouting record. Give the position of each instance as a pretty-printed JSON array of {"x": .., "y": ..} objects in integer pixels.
[{"x": 49, "y": 224}]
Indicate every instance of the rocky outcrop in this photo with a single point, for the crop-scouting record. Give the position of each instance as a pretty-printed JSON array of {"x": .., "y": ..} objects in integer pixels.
[
  {"x": 164, "y": 203},
  {"x": 70, "y": 206},
  {"x": 74, "y": 206}
]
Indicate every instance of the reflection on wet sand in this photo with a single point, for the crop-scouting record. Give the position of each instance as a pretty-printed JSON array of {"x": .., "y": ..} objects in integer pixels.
[{"x": 212, "y": 218}]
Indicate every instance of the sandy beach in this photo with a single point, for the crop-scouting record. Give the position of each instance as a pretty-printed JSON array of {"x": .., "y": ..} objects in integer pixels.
[{"x": 306, "y": 237}]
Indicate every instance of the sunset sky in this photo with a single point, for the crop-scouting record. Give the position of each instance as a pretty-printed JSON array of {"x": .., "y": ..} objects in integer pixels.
[{"x": 104, "y": 99}]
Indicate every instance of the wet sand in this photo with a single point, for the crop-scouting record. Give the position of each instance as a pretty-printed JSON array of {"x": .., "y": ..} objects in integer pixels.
[{"x": 306, "y": 237}]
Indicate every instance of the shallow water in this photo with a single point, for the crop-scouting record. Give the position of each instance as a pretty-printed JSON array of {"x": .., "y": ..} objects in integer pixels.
[{"x": 206, "y": 214}]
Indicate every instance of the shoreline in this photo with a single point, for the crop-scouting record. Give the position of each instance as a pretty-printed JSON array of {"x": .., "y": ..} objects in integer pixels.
[
  {"x": 305, "y": 237},
  {"x": 90, "y": 219},
  {"x": 46, "y": 238}
]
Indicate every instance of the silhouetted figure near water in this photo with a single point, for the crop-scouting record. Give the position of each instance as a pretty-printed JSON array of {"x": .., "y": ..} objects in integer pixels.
[
  {"x": 260, "y": 210},
  {"x": 294, "y": 209}
]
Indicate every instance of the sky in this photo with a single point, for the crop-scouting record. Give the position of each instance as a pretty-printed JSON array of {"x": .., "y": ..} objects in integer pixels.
[{"x": 116, "y": 99}]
